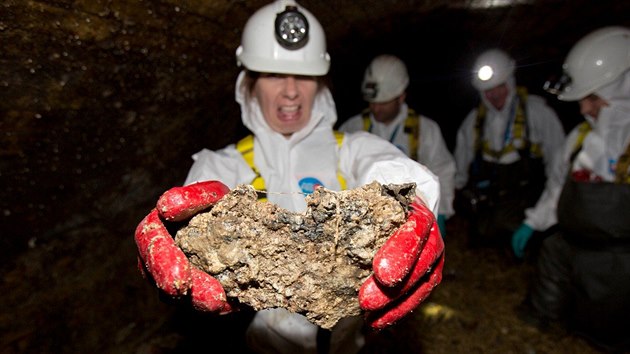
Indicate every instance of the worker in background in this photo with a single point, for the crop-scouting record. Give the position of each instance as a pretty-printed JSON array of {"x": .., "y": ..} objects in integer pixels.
[
  {"x": 384, "y": 87},
  {"x": 503, "y": 151},
  {"x": 583, "y": 270}
]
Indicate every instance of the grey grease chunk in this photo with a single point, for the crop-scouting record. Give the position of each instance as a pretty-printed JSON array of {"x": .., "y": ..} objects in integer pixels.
[{"x": 312, "y": 263}]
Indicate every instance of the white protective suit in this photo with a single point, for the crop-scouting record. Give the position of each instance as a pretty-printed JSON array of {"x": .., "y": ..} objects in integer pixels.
[
  {"x": 432, "y": 149},
  {"x": 600, "y": 149},
  {"x": 312, "y": 152},
  {"x": 543, "y": 126}
]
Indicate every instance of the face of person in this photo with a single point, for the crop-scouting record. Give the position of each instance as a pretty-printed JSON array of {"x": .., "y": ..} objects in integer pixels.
[
  {"x": 591, "y": 105},
  {"x": 497, "y": 96},
  {"x": 385, "y": 112},
  {"x": 286, "y": 101}
]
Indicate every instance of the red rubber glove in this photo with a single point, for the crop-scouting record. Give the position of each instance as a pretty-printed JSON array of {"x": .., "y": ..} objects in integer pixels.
[
  {"x": 164, "y": 262},
  {"x": 406, "y": 269}
]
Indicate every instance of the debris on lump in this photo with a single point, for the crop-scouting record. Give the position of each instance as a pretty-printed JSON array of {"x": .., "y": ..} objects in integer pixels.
[{"x": 312, "y": 263}]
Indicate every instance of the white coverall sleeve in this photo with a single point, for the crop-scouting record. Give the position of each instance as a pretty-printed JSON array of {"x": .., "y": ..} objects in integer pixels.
[
  {"x": 365, "y": 158},
  {"x": 434, "y": 154},
  {"x": 547, "y": 129},
  {"x": 226, "y": 165},
  {"x": 353, "y": 124},
  {"x": 464, "y": 149},
  {"x": 543, "y": 214}
]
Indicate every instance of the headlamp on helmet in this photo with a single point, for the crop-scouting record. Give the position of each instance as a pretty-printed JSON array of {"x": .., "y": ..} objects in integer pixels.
[
  {"x": 556, "y": 86},
  {"x": 284, "y": 38},
  {"x": 370, "y": 91},
  {"x": 491, "y": 69},
  {"x": 485, "y": 73},
  {"x": 385, "y": 78},
  {"x": 291, "y": 28},
  {"x": 596, "y": 60}
]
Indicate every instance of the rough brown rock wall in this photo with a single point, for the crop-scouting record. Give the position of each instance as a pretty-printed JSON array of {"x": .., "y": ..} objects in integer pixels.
[{"x": 103, "y": 101}]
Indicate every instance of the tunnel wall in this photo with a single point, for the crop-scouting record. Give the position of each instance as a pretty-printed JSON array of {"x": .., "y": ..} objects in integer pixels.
[{"x": 103, "y": 102}]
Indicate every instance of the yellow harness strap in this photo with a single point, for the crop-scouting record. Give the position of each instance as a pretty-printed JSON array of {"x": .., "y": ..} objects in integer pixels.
[
  {"x": 367, "y": 123},
  {"x": 411, "y": 128},
  {"x": 622, "y": 174},
  {"x": 583, "y": 129},
  {"x": 342, "y": 181},
  {"x": 246, "y": 147},
  {"x": 622, "y": 168},
  {"x": 518, "y": 129}
]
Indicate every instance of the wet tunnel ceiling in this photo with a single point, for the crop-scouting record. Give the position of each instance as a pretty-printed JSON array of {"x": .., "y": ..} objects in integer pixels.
[{"x": 103, "y": 102}]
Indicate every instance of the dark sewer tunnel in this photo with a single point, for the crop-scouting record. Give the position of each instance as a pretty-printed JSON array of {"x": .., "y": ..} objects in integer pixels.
[{"x": 104, "y": 101}]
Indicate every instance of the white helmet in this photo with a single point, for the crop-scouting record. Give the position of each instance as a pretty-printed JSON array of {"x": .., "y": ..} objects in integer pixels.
[
  {"x": 284, "y": 38},
  {"x": 492, "y": 68},
  {"x": 595, "y": 61},
  {"x": 385, "y": 79}
]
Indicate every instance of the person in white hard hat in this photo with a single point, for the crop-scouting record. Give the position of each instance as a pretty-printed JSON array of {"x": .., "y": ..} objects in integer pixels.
[
  {"x": 384, "y": 87},
  {"x": 503, "y": 151},
  {"x": 583, "y": 270},
  {"x": 292, "y": 151}
]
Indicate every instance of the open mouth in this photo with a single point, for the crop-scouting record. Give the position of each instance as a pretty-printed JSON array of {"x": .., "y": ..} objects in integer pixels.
[{"x": 291, "y": 112}]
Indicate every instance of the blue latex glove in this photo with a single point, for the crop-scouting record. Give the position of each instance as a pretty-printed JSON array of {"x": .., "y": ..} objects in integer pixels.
[
  {"x": 441, "y": 220},
  {"x": 520, "y": 238}
]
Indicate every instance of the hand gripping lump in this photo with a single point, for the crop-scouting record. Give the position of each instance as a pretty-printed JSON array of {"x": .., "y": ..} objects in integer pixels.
[{"x": 312, "y": 263}]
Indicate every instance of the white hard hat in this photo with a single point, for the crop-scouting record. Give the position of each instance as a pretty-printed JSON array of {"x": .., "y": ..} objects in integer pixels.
[
  {"x": 596, "y": 60},
  {"x": 385, "y": 79},
  {"x": 284, "y": 38},
  {"x": 492, "y": 68}
]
